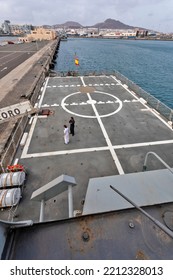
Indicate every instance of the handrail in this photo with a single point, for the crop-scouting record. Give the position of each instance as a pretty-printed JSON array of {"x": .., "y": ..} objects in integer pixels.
[
  {"x": 159, "y": 158},
  {"x": 155, "y": 221}
]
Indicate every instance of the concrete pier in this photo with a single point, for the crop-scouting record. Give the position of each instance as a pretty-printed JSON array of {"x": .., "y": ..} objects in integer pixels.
[{"x": 21, "y": 84}]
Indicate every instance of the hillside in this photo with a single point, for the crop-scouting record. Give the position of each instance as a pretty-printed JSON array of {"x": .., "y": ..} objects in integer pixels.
[
  {"x": 107, "y": 24},
  {"x": 113, "y": 24},
  {"x": 68, "y": 24}
]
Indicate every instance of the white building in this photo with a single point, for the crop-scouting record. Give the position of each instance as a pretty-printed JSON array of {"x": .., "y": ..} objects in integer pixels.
[{"x": 6, "y": 27}]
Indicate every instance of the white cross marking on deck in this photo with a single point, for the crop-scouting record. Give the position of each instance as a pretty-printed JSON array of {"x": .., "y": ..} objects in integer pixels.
[
  {"x": 86, "y": 103},
  {"x": 53, "y": 105},
  {"x": 63, "y": 105},
  {"x": 112, "y": 151},
  {"x": 125, "y": 146}
]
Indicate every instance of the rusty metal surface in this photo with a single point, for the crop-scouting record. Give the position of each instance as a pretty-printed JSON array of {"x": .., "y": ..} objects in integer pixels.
[{"x": 116, "y": 235}]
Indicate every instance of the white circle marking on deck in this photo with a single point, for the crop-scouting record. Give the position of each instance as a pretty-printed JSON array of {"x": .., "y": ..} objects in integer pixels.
[{"x": 63, "y": 105}]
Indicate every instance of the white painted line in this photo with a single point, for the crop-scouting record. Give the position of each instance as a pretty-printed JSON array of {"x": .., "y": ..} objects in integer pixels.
[
  {"x": 26, "y": 147},
  {"x": 55, "y": 104},
  {"x": 83, "y": 83},
  {"x": 42, "y": 117},
  {"x": 83, "y": 103},
  {"x": 72, "y": 104},
  {"x": 30, "y": 121},
  {"x": 45, "y": 105},
  {"x": 114, "y": 156},
  {"x": 65, "y": 152},
  {"x": 53, "y": 86},
  {"x": 16, "y": 161},
  {"x": 135, "y": 100},
  {"x": 5, "y": 68},
  {"x": 144, "y": 144},
  {"x": 96, "y": 149},
  {"x": 39, "y": 97},
  {"x": 43, "y": 93},
  {"x": 109, "y": 102},
  {"x": 24, "y": 138},
  {"x": 124, "y": 87},
  {"x": 63, "y": 105},
  {"x": 100, "y": 102},
  {"x": 155, "y": 111},
  {"x": 146, "y": 106},
  {"x": 143, "y": 101},
  {"x": 145, "y": 109}
]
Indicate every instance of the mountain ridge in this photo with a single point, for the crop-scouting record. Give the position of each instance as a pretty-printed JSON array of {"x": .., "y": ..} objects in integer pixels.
[{"x": 107, "y": 24}]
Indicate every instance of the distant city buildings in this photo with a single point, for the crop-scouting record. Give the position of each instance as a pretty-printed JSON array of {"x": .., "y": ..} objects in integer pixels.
[
  {"x": 14, "y": 29},
  {"x": 39, "y": 34},
  {"x": 106, "y": 33},
  {"x": 28, "y": 33},
  {"x": 6, "y": 27},
  {"x": 135, "y": 33}
]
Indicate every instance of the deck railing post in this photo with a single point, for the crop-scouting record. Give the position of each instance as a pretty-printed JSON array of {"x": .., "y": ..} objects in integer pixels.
[
  {"x": 41, "y": 211},
  {"x": 70, "y": 201}
]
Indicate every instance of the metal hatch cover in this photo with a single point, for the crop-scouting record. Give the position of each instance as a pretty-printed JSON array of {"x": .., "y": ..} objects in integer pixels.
[{"x": 144, "y": 188}]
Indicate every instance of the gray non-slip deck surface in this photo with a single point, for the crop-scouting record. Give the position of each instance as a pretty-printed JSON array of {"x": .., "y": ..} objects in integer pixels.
[{"x": 113, "y": 132}]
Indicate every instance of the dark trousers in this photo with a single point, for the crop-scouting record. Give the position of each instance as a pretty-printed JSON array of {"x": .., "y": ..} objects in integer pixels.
[{"x": 72, "y": 129}]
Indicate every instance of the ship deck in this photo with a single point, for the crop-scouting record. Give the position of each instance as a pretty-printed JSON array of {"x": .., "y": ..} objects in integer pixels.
[{"x": 114, "y": 130}]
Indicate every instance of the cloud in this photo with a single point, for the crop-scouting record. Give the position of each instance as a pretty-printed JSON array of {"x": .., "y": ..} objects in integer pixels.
[{"x": 87, "y": 12}]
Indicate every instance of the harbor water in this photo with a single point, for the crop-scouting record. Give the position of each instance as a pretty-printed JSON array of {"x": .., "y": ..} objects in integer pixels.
[{"x": 148, "y": 63}]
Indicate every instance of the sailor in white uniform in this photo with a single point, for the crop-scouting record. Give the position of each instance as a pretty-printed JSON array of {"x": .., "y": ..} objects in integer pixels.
[{"x": 66, "y": 134}]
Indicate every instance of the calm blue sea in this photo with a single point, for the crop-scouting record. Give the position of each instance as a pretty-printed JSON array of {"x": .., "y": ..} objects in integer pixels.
[{"x": 147, "y": 63}]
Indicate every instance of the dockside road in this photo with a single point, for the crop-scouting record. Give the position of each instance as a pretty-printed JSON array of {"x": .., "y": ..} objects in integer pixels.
[{"x": 30, "y": 63}]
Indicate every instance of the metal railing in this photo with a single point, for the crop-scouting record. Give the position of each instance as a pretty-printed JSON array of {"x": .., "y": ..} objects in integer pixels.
[{"x": 159, "y": 158}]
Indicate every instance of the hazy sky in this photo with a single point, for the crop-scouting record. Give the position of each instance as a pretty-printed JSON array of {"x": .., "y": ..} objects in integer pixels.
[{"x": 151, "y": 14}]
